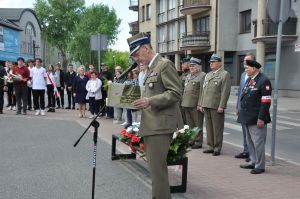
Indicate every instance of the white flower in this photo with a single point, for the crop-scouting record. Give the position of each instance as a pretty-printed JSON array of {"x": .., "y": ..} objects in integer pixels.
[
  {"x": 174, "y": 135},
  {"x": 129, "y": 129},
  {"x": 135, "y": 129},
  {"x": 186, "y": 127},
  {"x": 181, "y": 131}
]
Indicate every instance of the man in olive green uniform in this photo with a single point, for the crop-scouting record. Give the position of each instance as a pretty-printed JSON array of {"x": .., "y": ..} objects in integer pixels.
[
  {"x": 160, "y": 110},
  {"x": 185, "y": 70},
  {"x": 191, "y": 99},
  {"x": 215, "y": 94}
]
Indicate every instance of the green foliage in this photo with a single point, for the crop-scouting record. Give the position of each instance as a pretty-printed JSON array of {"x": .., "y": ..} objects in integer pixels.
[
  {"x": 95, "y": 19},
  {"x": 181, "y": 142},
  {"x": 112, "y": 58},
  {"x": 58, "y": 19}
]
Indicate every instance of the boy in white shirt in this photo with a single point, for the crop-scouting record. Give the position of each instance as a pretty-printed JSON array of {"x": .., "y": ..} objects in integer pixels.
[{"x": 39, "y": 78}]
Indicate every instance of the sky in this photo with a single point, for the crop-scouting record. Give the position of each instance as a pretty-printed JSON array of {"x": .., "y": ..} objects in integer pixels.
[{"x": 121, "y": 7}]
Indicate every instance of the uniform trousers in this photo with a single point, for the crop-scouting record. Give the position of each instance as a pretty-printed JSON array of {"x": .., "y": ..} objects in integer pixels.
[
  {"x": 256, "y": 140},
  {"x": 156, "y": 148},
  {"x": 21, "y": 97},
  {"x": 214, "y": 122},
  {"x": 194, "y": 118},
  {"x": 244, "y": 130}
]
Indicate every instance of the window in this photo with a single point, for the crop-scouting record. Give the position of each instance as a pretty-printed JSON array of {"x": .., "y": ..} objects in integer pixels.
[
  {"x": 181, "y": 28},
  {"x": 171, "y": 36},
  {"x": 171, "y": 9},
  {"x": 143, "y": 14},
  {"x": 1, "y": 39},
  {"x": 148, "y": 11},
  {"x": 161, "y": 39},
  {"x": 245, "y": 21},
  {"x": 161, "y": 11},
  {"x": 202, "y": 25}
]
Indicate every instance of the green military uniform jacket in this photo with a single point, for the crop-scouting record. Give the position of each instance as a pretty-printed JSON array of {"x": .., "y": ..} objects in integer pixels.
[
  {"x": 164, "y": 90},
  {"x": 193, "y": 89},
  {"x": 216, "y": 89}
]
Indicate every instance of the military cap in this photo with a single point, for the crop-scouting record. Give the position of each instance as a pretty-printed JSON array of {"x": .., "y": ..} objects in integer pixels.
[
  {"x": 253, "y": 63},
  {"x": 136, "y": 41},
  {"x": 215, "y": 58},
  {"x": 21, "y": 58},
  {"x": 185, "y": 59},
  {"x": 195, "y": 61}
]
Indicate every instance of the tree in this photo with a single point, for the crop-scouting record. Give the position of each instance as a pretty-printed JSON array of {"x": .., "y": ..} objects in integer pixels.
[
  {"x": 95, "y": 19},
  {"x": 120, "y": 58},
  {"x": 58, "y": 19}
]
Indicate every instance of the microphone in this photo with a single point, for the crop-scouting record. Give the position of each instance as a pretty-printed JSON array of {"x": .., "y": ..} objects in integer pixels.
[{"x": 124, "y": 74}]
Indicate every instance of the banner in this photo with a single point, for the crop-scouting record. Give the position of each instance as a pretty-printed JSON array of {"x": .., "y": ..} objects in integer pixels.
[{"x": 122, "y": 96}]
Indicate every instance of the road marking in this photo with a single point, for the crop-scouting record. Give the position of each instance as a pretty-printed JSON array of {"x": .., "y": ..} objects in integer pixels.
[
  {"x": 279, "y": 127},
  {"x": 289, "y": 123},
  {"x": 288, "y": 118}
]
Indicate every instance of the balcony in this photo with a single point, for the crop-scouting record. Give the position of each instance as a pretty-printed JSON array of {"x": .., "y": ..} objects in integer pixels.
[
  {"x": 196, "y": 41},
  {"x": 289, "y": 31},
  {"x": 191, "y": 7},
  {"x": 134, "y": 5},
  {"x": 134, "y": 27},
  {"x": 162, "y": 47}
]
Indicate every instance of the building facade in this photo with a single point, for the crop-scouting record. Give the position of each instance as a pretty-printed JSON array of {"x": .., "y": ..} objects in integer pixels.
[{"x": 230, "y": 28}]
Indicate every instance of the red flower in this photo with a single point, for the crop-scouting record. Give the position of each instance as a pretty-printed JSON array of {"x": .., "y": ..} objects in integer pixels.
[
  {"x": 135, "y": 139},
  {"x": 143, "y": 147},
  {"x": 124, "y": 132},
  {"x": 130, "y": 135}
]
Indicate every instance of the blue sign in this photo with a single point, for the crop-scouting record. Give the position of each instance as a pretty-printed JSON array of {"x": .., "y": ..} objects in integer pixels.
[{"x": 10, "y": 51}]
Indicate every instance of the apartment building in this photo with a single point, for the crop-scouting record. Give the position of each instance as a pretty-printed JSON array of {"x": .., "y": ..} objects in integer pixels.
[{"x": 230, "y": 28}]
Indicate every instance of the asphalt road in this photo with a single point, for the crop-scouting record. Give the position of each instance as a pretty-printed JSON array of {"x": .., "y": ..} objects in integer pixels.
[
  {"x": 37, "y": 161},
  {"x": 287, "y": 135}
]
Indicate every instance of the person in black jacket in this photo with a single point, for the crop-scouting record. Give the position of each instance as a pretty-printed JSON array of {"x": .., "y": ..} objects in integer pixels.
[
  {"x": 2, "y": 87},
  {"x": 254, "y": 114},
  {"x": 60, "y": 83},
  {"x": 70, "y": 75}
]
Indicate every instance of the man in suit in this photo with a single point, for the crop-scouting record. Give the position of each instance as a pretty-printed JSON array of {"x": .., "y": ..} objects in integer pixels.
[
  {"x": 70, "y": 76},
  {"x": 160, "y": 110},
  {"x": 244, "y": 77},
  {"x": 255, "y": 115},
  {"x": 191, "y": 99},
  {"x": 215, "y": 94}
]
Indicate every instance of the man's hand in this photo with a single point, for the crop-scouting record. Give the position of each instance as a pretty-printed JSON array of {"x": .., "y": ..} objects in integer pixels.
[
  {"x": 200, "y": 109},
  {"x": 260, "y": 124},
  {"x": 220, "y": 110},
  {"x": 141, "y": 103}
]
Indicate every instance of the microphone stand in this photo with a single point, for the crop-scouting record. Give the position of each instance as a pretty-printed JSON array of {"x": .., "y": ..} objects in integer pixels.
[{"x": 96, "y": 125}]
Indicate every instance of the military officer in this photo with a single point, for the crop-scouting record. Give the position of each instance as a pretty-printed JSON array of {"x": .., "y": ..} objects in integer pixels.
[
  {"x": 215, "y": 94},
  {"x": 160, "y": 110},
  {"x": 185, "y": 70},
  {"x": 191, "y": 99},
  {"x": 254, "y": 114}
]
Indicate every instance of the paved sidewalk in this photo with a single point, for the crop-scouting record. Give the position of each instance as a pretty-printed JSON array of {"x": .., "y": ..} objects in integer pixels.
[{"x": 209, "y": 177}]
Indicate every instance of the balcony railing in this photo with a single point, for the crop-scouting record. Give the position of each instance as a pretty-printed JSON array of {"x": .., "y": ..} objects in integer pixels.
[
  {"x": 171, "y": 14},
  {"x": 197, "y": 40},
  {"x": 195, "y": 6},
  {"x": 134, "y": 5},
  {"x": 134, "y": 27},
  {"x": 162, "y": 47},
  {"x": 171, "y": 45},
  {"x": 289, "y": 28},
  {"x": 161, "y": 17}
]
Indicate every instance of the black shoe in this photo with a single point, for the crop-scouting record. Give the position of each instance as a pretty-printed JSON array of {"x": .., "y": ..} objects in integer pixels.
[
  {"x": 49, "y": 110},
  {"x": 257, "y": 171},
  {"x": 208, "y": 151},
  {"x": 68, "y": 107},
  {"x": 196, "y": 146},
  {"x": 29, "y": 108},
  {"x": 58, "y": 107},
  {"x": 242, "y": 155},
  {"x": 18, "y": 113},
  {"x": 1, "y": 112},
  {"x": 247, "y": 160},
  {"x": 24, "y": 113},
  {"x": 247, "y": 166},
  {"x": 216, "y": 153},
  {"x": 73, "y": 108}
]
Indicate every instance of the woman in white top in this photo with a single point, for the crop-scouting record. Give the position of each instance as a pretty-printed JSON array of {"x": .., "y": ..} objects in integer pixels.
[
  {"x": 94, "y": 94},
  {"x": 51, "y": 75}
]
